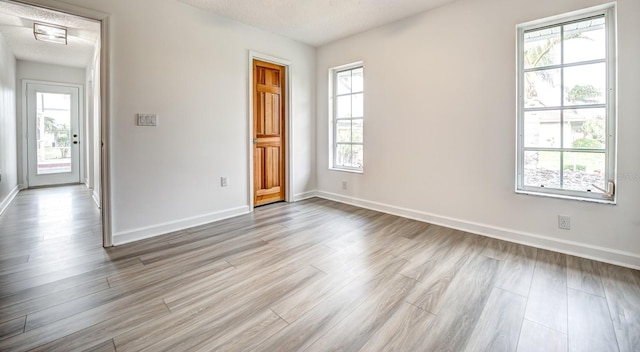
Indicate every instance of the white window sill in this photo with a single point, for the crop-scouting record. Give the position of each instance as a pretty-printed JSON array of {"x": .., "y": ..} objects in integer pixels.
[
  {"x": 353, "y": 171},
  {"x": 562, "y": 196}
]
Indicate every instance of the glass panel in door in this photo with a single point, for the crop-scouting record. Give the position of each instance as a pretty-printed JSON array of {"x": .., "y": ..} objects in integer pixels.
[{"x": 53, "y": 133}]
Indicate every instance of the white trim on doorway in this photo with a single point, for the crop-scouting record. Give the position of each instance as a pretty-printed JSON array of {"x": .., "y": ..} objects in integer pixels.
[
  {"x": 25, "y": 117},
  {"x": 253, "y": 55},
  {"x": 105, "y": 100}
]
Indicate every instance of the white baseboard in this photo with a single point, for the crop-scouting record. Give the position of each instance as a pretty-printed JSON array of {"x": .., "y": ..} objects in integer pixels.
[
  {"x": 607, "y": 255},
  {"x": 167, "y": 227},
  {"x": 4, "y": 204},
  {"x": 96, "y": 198},
  {"x": 304, "y": 195}
]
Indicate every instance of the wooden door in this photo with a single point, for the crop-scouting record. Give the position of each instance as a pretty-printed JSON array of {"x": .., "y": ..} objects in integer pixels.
[{"x": 269, "y": 131}]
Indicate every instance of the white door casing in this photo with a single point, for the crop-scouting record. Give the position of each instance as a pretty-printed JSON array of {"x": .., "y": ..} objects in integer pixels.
[{"x": 53, "y": 157}]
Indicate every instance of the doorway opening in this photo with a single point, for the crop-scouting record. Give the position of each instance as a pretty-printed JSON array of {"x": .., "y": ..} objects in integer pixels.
[
  {"x": 53, "y": 133},
  {"x": 64, "y": 129}
]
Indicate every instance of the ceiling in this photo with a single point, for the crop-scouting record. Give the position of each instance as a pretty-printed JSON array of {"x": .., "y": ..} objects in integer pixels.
[
  {"x": 316, "y": 22},
  {"x": 16, "y": 26}
]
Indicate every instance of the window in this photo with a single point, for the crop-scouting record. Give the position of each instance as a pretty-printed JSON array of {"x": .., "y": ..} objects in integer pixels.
[
  {"x": 347, "y": 107},
  {"x": 566, "y": 106}
]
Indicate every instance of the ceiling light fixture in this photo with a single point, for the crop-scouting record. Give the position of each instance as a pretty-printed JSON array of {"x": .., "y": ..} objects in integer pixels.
[{"x": 50, "y": 33}]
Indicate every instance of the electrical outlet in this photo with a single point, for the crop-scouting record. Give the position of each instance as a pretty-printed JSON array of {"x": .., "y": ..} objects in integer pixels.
[
  {"x": 344, "y": 184},
  {"x": 564, "y": 222},
  {"x": 224, "y": 182}
]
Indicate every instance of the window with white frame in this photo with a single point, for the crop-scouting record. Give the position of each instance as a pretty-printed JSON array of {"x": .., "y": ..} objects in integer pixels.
[
  {"x": 347, "y": 117},
  {"x": 566, "y": 106}
]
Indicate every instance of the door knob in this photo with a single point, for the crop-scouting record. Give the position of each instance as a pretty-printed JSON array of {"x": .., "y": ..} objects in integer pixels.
[{"x": 255, "y": 140}]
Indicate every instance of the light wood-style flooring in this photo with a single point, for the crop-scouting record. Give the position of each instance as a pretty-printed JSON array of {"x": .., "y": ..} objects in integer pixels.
[{"x": 309, "y": 276}]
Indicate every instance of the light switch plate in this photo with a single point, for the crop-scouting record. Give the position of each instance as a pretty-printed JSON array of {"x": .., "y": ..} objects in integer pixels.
[{"x": 147, "y": 119}]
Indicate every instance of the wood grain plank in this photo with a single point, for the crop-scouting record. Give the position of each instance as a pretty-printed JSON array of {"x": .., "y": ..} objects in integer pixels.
[
  {"x": 121, "y": 296},
  {"x": 106, "y": 346},
  {"x": 215, "y": 306},
  {"x": 498, "y": 328},
  {"x": 279, "y": 255},
  {"x": 437, "y": 274},
  {"x": 371, "y": 315},
  {"x": 584, "y": 275},
  {"x": 8, "y": 261},
  {"x": 463, "y": 306},
  {"x": 539, "y": 338},
  {"x": 302, "y": 333},
  {"x": 50, "y": 267},
  {"x": 517, "y": 272},
  {"x": 442, "y": 241},
  {"x": 407, "y": 228},
  {"x": 622, "y": 288},
  {"x": 496, "y": 249},
  {"x": 78, "y": 332},
  {"x": 402, "y": 331},
  {"x": 36, "y": 304},
  {"x": 424, "y": 246},
  {"x": 59, "y": 286},
  {"x": 73, "y": 275},
  {"x": 590, "y": 328},
  {"x": 12, "y": 327},
  {"x": 236, "y": 305},
  {"x": 547, "y": 303},
  {"x": 159, "y": 271},
  {"x": 246, "y": 336},
  {"x": 296, "y": 304},
  {"x": 230, "y": 244},
  {"x": 455, "y": 245}
]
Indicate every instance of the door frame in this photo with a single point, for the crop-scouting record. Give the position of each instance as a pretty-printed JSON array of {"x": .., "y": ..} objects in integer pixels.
[
  {"x": 105, "y": 101},
  {"x": 254, "y": 55},
  {"x": 25, "y": 126}
]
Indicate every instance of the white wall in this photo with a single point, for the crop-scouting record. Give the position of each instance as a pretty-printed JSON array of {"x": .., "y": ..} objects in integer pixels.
[
  {"x": 27, "y": 70},
  {"x": 191, "y": 68},
  {"x": 8, "y": 161},
  {"x": 440, "y": 128},
  {"x": 94, "y": 145}
]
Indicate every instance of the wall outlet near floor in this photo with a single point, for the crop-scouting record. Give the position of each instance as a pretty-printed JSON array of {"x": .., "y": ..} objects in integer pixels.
[
  {"x": 223, "y": 181},
  {"x": 564, "y": 222},
  {"x": 344, "y": 184}
]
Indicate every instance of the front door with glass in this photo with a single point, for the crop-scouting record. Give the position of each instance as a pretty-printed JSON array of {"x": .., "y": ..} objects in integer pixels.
[{"x": 53, "y": 139}]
